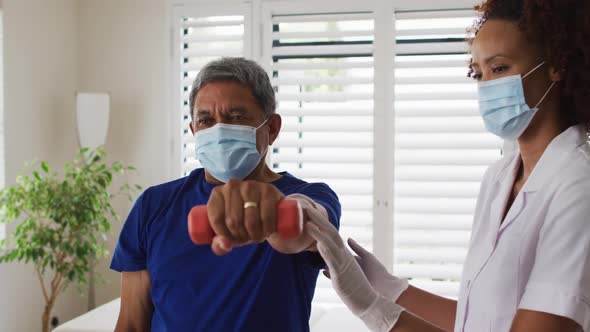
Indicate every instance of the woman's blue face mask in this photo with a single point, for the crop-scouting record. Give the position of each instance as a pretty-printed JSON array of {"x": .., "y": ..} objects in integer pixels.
[{"x": 503, "y": 107}]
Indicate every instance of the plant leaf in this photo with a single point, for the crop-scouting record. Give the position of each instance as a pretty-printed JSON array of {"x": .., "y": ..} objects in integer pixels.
[{"x": 45, "y": 167}]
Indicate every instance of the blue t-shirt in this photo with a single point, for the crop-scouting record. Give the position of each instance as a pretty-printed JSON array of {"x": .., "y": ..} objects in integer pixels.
[{"x": 252, "y": 288}]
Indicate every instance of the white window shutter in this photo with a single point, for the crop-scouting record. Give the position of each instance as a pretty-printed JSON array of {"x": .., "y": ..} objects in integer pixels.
[
  {"x": 322, "y": 64},
  {"x": 204, "y": 38},
  {"x": 322, "y": 70},
  {"x": 441, "y": 149}
]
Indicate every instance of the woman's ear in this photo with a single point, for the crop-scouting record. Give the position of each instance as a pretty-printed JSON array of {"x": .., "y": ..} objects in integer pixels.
[{"x": 555, "y": 75}]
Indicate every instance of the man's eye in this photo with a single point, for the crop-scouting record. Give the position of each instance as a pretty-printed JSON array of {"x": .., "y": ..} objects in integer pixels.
[
  {"x": 237, "y": 117},
  {"x": 476, "y": 76},
  {"x": 204, "y": 122}
]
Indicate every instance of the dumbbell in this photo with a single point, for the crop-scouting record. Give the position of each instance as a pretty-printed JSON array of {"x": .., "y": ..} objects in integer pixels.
[{"x": 289, "y": 222}]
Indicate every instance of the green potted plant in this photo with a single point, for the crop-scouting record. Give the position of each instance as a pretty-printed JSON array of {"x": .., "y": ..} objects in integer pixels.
[{"x": 64, "y": 220}]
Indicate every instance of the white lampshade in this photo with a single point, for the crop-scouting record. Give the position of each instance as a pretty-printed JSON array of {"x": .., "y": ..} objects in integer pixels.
[{"x": 92, "y": 114}]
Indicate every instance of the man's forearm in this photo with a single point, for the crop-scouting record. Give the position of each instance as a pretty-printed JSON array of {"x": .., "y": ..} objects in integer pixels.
[
  {"x": 292, "y": 246},
  {"x": 304, "y": 241},
  {"x": 435, "y": 309}
]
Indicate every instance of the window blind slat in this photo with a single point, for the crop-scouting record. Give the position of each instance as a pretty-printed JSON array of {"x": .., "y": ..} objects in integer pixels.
[
  {"x": 199, "y": 38},
  {"x": 433, "y": 256},
  {"x": 430, "y": 271},
  {"x": 459, "y": 61},
  {"x": 327, "y": 141},
  {"x": 430, "y": 79},
  {"x": 418, "y": 221},
  {"x": 445, "y": 157},
  {"x": 426, "y": 205},
  {"x": 415, "y": 108},
  {"x": 331, "y": 50},
  {"x": 443, "y": 32},
  {"x": 437, "y": 189},
  {"x": 322, "y": 80},
  {"x": 432, "y": 48},
  {"x": 437, "y": 14},
  {"x": 278, "y": 66},
  {"x": 322, "y": 34},
  {"x": 219, "y": 51},
  {"x": 333, "y": 174},
  {"x": 310, "y": 111},
  {"x": 434, "y": 95},
  {"x": 321, "y": 157},
  {"x": 326, "y": 127},
  {"x": 439, "y": 172},
  {"x": 434, "y": 140},
  {"x": 435, "y": 125},
  {"x": 212, "y": 23},
  {"x": 318, "y": 96},
  {"x": 322, "y": 18}
]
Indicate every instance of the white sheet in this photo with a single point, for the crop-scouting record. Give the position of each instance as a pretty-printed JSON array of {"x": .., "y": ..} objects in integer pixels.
[{"x": 104, "y": 319}]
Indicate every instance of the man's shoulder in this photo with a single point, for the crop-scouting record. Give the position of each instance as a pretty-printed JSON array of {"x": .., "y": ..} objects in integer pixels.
[
  {"x": 167, "y": 189},
  {"x": 291, "y": 183}
]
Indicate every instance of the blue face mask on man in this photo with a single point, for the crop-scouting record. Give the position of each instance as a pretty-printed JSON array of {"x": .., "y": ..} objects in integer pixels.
[
  {"x": 228, "y": 151},
  {"x": 503, "y": 106}
]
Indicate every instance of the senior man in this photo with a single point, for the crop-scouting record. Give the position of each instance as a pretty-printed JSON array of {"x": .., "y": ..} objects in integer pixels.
[{"x": 249, "y": 279}]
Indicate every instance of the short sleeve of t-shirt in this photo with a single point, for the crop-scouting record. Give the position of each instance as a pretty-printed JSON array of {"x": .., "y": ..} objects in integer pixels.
[
  {"x": 130, "y": 252},
  {"x": 322, "y": 194}
]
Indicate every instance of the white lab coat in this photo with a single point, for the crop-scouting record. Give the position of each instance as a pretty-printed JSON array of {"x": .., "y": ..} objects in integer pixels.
[{"x": 539, "y": 257}]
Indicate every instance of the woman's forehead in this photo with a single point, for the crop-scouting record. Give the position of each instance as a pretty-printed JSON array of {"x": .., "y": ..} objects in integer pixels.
[{"x": 497, "y": 36}]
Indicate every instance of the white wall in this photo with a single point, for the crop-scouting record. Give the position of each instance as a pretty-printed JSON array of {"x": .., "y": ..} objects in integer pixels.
[
  {"x": 123, "y": 49},
  {"x": 40, "y": 56},
  {"x": 53, "y": 49},
  {"x": 2, "y": 228}
]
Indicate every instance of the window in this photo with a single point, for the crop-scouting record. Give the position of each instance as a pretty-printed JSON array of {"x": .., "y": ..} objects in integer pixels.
[
  {"x": 375, "y": 102},
  {"x": 441, "y": 149},
  {"x": 322, "y": 70}
]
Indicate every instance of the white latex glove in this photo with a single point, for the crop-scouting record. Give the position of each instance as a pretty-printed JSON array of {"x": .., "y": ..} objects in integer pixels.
[
  {"x": 348, "y": 279},
  {"x": 386, "y": 284}
]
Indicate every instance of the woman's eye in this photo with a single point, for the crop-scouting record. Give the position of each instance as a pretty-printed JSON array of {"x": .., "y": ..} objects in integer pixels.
[
  {"x": 476, "y": 76},
  {"x": 499, "y": 69}
]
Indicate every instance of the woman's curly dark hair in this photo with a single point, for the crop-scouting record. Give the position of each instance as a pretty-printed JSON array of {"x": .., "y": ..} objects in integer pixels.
[{"x": 561, "y": 29}]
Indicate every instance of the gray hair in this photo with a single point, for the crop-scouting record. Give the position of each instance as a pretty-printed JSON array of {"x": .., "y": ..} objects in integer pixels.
[{"x": 239, "y": 70}]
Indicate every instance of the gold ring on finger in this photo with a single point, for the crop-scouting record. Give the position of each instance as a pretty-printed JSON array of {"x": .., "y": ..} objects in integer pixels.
[{"x": 250, "y": 205}]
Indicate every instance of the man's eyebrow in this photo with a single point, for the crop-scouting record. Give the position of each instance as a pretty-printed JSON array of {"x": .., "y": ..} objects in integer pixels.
[
  {"x": 238, "y": 109},
  {"x": 203, "y": 112}
]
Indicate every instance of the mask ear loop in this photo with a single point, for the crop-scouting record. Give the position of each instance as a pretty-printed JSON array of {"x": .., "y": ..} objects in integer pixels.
[
  {"x": 532, "y": 70},
  {"x": 536, "y": 108},
  {"x": 262, "y": 124},
  {"x": 265, "y": 121},
  {"x": 545, "y": 95}
]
